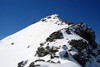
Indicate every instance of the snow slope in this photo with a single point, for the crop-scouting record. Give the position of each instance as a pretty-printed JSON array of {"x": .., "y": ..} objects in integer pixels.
[{"x": 22, "y": 46}]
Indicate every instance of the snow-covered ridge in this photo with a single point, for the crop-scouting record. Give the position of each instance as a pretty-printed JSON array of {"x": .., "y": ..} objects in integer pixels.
[
  {"x": 51, "y": 18},
  {"x": 50, "y": 42}
]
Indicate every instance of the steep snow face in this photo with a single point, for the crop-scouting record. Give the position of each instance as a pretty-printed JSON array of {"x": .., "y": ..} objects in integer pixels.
[
  {"x": 23, "y": 44},
  {"x": 47, "y": 43}
]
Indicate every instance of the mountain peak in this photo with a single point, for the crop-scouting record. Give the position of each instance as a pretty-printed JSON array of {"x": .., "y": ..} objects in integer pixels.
[
  {"x": 52, "y": 18},
  {"x": 51, "y": 42},
  {"x": 55, "y": 16}
]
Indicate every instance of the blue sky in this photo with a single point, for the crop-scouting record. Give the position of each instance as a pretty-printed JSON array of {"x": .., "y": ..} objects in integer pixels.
[{"x": 18, "y": 14}]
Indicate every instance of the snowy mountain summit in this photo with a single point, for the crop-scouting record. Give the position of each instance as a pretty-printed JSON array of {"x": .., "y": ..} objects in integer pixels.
[{"x": 51, "y": 42}]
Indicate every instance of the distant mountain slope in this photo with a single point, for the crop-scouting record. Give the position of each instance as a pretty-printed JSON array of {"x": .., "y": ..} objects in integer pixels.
[{"x": 51, "y": 42}]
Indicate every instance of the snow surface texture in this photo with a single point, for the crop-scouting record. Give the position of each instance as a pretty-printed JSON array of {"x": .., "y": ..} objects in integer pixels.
[{"x": 21, "y": 49}]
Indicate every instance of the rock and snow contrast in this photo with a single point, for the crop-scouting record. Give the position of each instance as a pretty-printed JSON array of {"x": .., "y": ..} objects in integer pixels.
[{"x": 51, "y": 42}]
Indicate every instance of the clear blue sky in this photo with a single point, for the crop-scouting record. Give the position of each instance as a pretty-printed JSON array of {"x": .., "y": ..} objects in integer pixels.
[{"x": 18, "y": 14}]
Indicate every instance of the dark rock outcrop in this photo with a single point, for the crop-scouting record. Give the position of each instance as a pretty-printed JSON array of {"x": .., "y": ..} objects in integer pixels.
[
  {"x": 54, "y": 35},
  {"x": 86, "y": 32},
  {"x": 78, "y": 44}
]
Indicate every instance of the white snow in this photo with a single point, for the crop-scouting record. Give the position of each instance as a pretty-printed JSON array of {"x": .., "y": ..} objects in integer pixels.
[{"x": 26, "y": 42}]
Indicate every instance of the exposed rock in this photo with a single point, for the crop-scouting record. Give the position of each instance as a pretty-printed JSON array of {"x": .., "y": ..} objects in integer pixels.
[
  {"x": 55, "y": 35},
  {"x": 41, "y": 52},
  {"x": 80, "y": 59},
  {"x": 86, "y": 32},
  {"x": 78, "y": 44},
  {"x": 22, "y": 63},
  {"x": 38, "y": 60},
  {"x": 12, "y": 43},
  {"x": 32, "y": 64}
]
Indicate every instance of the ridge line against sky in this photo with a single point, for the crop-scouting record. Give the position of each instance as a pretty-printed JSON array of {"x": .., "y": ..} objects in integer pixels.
[{"x": 18, "y": 14}]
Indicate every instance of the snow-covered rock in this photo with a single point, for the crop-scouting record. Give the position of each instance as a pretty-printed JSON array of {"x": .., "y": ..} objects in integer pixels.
[{"x": 51, "y": 42}]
